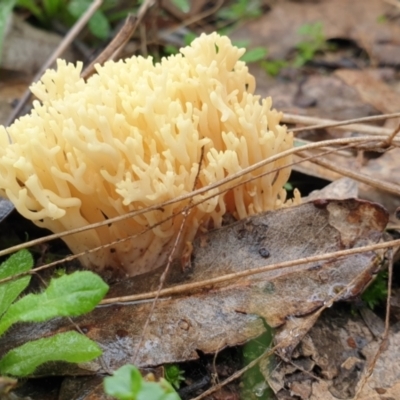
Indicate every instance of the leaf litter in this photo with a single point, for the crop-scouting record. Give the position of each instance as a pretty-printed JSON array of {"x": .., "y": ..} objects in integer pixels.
[{"x": 234, "y": 312}]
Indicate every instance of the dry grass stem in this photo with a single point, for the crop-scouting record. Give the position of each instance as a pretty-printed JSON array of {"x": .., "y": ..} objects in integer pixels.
[
  {"x": 389, "y": 187},
  {"x": 350, "y": 124},
  {"x": 120, "y": 39},
  {"x": 191, "y": 287}
]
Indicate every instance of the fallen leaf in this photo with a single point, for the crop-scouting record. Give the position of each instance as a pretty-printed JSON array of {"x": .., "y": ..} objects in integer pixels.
[{"x": 234, "y": 312}]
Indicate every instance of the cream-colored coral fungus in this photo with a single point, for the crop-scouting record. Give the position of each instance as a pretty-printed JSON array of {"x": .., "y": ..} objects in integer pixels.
[{"x": 131, "y": 136}]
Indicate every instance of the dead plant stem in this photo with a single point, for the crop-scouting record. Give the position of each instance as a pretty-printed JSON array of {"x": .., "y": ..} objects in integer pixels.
[
  {"x": 350, "y": 124},
  {"x": 369, "y": 180},
  {"x": 211, "y": 283}
]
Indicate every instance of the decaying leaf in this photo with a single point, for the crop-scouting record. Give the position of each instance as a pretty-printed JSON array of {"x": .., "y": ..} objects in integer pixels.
[
  {"x": 233, "y": 312},
  {"x": 340, "y": 346}
]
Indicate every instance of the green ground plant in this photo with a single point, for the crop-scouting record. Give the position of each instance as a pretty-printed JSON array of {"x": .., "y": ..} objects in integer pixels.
[
  {"x": 314, "y": 41},
  {"x": 377, "y": 292},
  {"x": 67, "y": 12},
  {"x": 127, "y": 383},
  {"x": 66, "y": 296},
  {"x": 174, "y": 375}
]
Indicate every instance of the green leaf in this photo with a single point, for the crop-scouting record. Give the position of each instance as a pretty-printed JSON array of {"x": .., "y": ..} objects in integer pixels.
[
  {"x": 6, "y": 7},
  {"x": 78, "y": 7},
  {"x": 288, "y": 186},
  {"x": 9, "y": 291},
  {"x": 19, "y": 262},
  {"x": 241, "y": 43},
  {"x": 67, "y": 296},
  {"x": 189, "y": 37},
  {"x": 52, "y": 7},
  {"x": 170, "y": 49},
  {"x": 183, "y": 5},
  {"x": 32, "y": 7},
  {"x": 99, "y": 25},
  {"x": 273, "y": 67},
  {"x": 68, "y": 346},
  {"x": 377, "y": 291},
  {"x": 127, "y": 384},
  {"x": 174, "y": 375},
  {"x": 254, "y": 55}
]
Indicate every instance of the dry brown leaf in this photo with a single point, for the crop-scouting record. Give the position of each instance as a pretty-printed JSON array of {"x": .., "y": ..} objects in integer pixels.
[
  {"x": 231, "y": 313},
  {"x": 339, "y": 346}
]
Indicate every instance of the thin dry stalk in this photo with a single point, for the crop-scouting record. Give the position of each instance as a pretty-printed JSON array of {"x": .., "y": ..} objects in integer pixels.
[
  {"x": 351, "y": 124},
  {"x": 237, "y": 374},
  {"x": 210, "y": 283},
  {"x": 389, "y": 187},
  {"x": 118, "y": 41}
]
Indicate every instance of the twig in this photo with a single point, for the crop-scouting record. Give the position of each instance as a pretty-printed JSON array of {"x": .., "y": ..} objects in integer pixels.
[
  {"x": 369, "y": 180},
  {"x": 237, "y": 374},
  {"x": 71, "y": 35},
  {"x": 190, "y": 287},
  {"x": 319, "y": 123},
  {"x": 392, "y": 136},
  {"x": 119, "y": 41}
]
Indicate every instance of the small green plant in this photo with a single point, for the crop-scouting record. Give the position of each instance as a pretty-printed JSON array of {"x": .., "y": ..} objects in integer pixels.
[
  {"x": 174, "y": 375},
  {"x": 314, "y": 42},
  {"x": 66, "y": 296},
  {"x": 377, "y": 292},
  {"x": 273, "y": 67},
  {"x": 241, "y": 9},
  {"x": 127, "y": 383},
  {"x": 68, "y": 11},
  {"x": 252, "y": 55}
]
